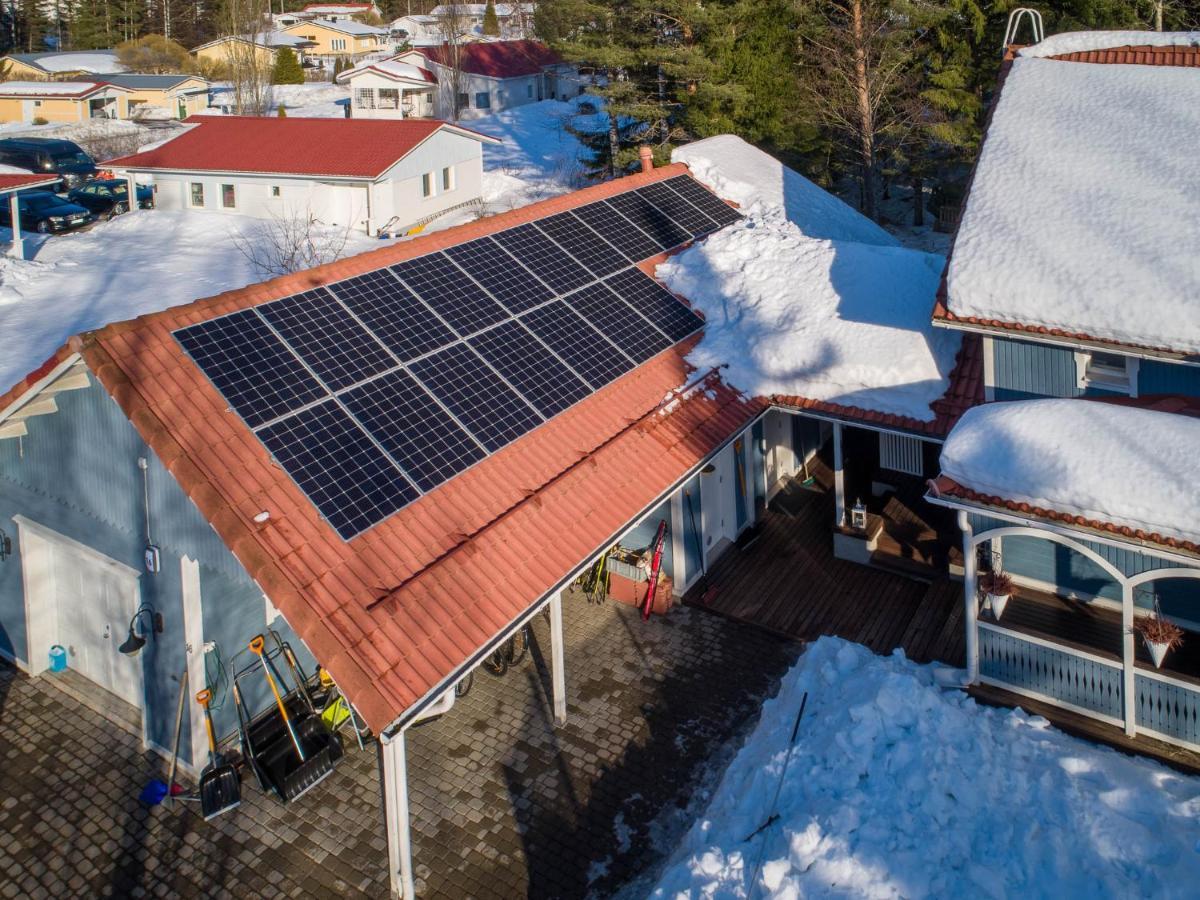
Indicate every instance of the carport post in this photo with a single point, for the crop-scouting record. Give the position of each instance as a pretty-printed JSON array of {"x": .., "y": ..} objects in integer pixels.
[
  {"x": 839, "y": 477},
  {"x": 396, "y": 814},
  {"x": 14, "y": 216},
  {"x": 132, "y": 187},
  {"x": 558, "y": 673}
]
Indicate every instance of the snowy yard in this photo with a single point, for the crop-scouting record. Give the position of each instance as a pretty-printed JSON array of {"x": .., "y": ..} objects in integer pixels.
[{"x": 899, "y": 788}]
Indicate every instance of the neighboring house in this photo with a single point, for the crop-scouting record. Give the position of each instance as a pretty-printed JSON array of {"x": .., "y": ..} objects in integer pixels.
[
  {"x": 67, "y": 65},
  {"x": 389, "y": 89},
  {"x": 495, "y": 75},
  {"x": 339, "y": 12},
  {"x": 515, "y": 20},
  {"x": 363, "y": 175},
  {"x": 331, "y": 40},
  {"x": 417, "y": 30},
  {"x": 62, "y": 101},
  {"x": 1089, "y": 295},
  {"x": 266, "y": 45},
  {"x": 176, "y": 96}
]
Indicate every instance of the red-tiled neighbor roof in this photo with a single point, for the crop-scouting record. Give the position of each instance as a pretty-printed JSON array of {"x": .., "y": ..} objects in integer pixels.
[
  {"x": 345, "y": 148},
  {"x": 9, "y": 183},
  {"x": 497, "y": 59},
  {"x": 395, "y": 611}
]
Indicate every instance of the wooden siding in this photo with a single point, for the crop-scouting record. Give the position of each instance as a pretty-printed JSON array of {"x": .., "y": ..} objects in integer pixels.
[{"x": 1157, "y": 377}]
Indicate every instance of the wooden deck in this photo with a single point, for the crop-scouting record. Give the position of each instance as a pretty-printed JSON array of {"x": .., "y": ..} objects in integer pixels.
[{"x": 788, "y": 581}]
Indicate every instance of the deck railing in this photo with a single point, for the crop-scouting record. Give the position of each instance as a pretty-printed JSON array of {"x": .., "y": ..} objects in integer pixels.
[{"x": 1167, "y": 708}]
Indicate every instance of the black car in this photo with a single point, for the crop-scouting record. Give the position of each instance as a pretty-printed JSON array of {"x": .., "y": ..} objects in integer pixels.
[
  {"x": 110, "y": 195},
  {"x": 49, "y": 155},
  {"x": 45, "y": 212}
]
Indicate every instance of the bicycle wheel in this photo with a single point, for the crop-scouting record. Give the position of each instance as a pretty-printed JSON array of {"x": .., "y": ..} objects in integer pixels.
[
  {"x": 496, "y": 662},
  {"x": 464, "y": 685},
  {"x": 518, "y": 646}
]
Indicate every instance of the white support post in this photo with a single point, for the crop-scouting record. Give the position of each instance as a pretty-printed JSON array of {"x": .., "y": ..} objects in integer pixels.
[
  {"x": 1128, "y": 655},
  {"x": 839, "y": 479},
  {"x": 14, "y": 216},
  {"x": 970, "y": 598},
  {"x": 558, "y": 675},
  {"x": 396, "y": 814},
  {"x": 131, "y": 187},
  {"x": 193, "y": 635}
]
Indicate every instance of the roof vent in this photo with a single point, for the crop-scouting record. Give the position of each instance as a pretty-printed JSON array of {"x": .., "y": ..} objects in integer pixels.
[
  {"x": 646, "y": 155},
  {"x": 1015, "y": 18}
]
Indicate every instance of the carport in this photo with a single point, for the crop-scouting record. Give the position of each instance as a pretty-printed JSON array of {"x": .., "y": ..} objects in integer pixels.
[{"x": 10, "y": 185}]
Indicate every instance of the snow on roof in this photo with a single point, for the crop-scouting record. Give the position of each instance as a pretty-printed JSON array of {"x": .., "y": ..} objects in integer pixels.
[
  {"x": 1083, "y": 41},
  {"x": 744, "y": 174},
  {"x": 98, "y": 62},
  {"x": 799, "y": 314},
  {"x": 1110, "y": 463},
  {"x": 390, "y": 67},
  {"x": 1082, "y": 214},
  {"x": 49, "y": 88}
]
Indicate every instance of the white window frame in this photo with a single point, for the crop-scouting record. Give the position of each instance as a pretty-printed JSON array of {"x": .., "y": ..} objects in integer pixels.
[
  {"x": 221, "y": 195},
  {"x": 390, "y": 101},
  {"x": 192, "y": 204},
  {"x": 337, "y": 43},
  {"x": 1088, "y": 374},
  {"x": 901, "y": 453},
  {"x": 364, "y": 98},
  {"x": 449, "y": 179},
  {"x": 428, "y": 183},
  {"x": 485, "y": 94},
  {"x": 276, "y": 191}
]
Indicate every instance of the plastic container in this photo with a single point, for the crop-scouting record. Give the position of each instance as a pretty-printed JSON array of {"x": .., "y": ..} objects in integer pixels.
[{"x": 58, "y": 658}]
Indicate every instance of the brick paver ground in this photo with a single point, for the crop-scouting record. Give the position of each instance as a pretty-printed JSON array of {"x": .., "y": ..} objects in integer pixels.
[{"x": 504, "y": 804}]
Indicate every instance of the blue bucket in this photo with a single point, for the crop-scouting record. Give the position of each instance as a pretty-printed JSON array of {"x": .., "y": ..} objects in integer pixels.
[{"x": 58, "y": 658}]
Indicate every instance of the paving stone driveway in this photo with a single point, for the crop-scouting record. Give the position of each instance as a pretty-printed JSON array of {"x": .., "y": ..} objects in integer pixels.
[{"x": 504, "y": 804}]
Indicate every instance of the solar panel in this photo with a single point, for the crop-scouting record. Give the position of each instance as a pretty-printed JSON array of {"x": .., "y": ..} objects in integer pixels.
[
  {"x": 582, "y": 347},
  {"x": 596, "y": 254},
  {"x": 450, "y": 293},
  {"x": 655, "y": 223},
  {"x": 533, "y": 370},
  {"x": 544, "y": 258},
  {"x": 682, "y": 212},
  {"x": 618, "y": 230},
  {"x": 406, "y": 325},
  {"x": 326, "y": 337},
  {"x": 345, "y": 475},
  {"x": 656, "y": 303},
  {"x": 480, "y": 399},
  {"x": 252, "y": 368},
  {"x": 704, "y": 200},
  {"x": 618, "y": 322},
  {"x": 502, "y": 276},
  {"x": 410, "y": 425}
]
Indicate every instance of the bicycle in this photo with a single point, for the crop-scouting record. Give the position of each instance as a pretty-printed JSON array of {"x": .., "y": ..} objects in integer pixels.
[{"x": 510, "y": 653}]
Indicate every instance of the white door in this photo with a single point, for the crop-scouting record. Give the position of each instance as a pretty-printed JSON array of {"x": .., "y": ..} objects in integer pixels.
[
  {"x": 83, "y": 600},
  {"x": 716, "y": 503}
]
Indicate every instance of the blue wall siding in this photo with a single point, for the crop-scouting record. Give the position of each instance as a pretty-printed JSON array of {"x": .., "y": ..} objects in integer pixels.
[
  {"x": 76, "y": 472},
  {"x": 759, "y": 465},
  {"x": 1157, "y": 377},
  {"x": 1024, "y": 370},
  {"x": 642, "y": 536},
  {"x": 692, "y": 523}
]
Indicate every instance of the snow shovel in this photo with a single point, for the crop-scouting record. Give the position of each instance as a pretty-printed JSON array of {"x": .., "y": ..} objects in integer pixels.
[
  {"x": 256, "y": 647},
  {"x": 220, "y": 786}
]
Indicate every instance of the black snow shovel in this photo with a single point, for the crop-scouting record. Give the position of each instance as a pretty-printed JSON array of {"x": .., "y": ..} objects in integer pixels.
[{"x": 220, "y": 787}]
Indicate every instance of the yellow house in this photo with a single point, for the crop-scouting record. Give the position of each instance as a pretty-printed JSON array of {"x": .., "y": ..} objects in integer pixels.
[
  {"x": 332, "y": 39},
  {"x": 179, "y": 95},
  {"x": 61, "y": 101},
  {"x": 217, "y": 52},
  {"x": 66, "y": 65}
]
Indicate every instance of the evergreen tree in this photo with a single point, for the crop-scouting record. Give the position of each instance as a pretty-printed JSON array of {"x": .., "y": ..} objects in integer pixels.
[
  {"x": 89, "y": 26},
  {"x": 491, "y": 24},
  {"x": 32, "y": 25},
  {"x": 282, "y": 111},
  {"x": 287, "y": 68}
]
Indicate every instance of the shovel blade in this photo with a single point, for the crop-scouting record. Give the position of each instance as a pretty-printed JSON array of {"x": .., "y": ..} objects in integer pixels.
[{"x": 220, "y": 790}]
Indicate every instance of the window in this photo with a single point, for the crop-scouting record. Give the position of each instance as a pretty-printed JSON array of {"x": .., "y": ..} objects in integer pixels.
[
  {"x": 448, "y": 178},
  {"x": 1106, "y": 372},
  {"x": 197, "y": 194},
  {"x": 483, "y": 100},
  {"x": 389, "y": 98},
  {"x": 900, "y": 453},
  {"x": 338, "y": 43},
  {"x": 364, "y": 98},
  {"x": 228, "y": 197},
  {"x": 37, "y": 103},
  {"x": 464, "y": 101},
  {"x": 274, "y": 190},
  {"x": 427, "y": 184}
]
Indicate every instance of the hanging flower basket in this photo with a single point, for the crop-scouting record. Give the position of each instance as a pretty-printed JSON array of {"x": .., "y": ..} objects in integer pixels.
[
  {"x": 1160, "y": 636},
  {"x": 996, "y": 588}
]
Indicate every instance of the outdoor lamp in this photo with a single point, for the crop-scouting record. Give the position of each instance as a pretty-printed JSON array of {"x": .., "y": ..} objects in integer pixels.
[
  {"x": 133, "y": 641},
  {"x": 858, "y": 516}
]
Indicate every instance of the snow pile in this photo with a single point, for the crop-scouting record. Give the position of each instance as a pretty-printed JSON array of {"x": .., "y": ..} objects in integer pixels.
[
  {"x": 799, "y": 314},
  {"x": 898, "y": 788},
  {"x": 1083, "y": 41},
  {"x": 1103, "y": 461},
  {"x": 1082, "y": 214}
]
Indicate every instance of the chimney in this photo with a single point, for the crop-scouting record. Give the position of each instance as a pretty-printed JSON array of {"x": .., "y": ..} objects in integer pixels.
[{"x": 647, "y": 157}]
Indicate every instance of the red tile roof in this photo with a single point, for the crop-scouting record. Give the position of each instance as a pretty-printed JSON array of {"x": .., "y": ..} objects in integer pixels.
[
  {"x": 9, "y": 183},
  {"x": 1147, "y": 56},
  {"x": 497, "y": 59},
  {"x": 395, "y": 611},
  {"x": 346, "y": 148}
]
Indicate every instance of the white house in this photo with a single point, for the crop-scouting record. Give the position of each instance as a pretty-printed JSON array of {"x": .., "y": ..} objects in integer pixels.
[
  {"x": 494, "y": 75},
  {"x": 417, "y": 30},
  {"x": 515, "y": 19},
  {"x": 377, "y": 176},
  {"x": 389, "y": 89}
]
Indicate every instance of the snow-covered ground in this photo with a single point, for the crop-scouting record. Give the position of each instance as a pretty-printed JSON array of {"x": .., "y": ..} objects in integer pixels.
[
  {"x": 806, "y": 297},
  {"x": 899, "y": 788}
]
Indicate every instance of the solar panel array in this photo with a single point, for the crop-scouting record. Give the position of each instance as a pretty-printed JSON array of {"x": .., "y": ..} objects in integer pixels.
[{"x": 374, "y": 390}]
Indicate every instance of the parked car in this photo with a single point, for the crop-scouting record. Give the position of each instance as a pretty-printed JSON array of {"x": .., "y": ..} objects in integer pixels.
[
  {"x": 46, "y": 212},
  {"x": 41, "y": 155},
  {"x": 110, "y": 195}
]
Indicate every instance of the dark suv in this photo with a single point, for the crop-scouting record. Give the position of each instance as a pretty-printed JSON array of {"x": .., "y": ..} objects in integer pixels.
[{"x": 49, "y": 155}]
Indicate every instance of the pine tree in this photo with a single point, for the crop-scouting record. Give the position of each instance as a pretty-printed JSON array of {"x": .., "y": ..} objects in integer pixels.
[
  {"x": 491, "y": 24},
  {"x": 287, "y": 68},
  {"x": 282, "y": 111}
]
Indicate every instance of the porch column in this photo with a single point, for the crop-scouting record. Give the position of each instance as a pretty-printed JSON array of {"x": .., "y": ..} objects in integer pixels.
[
  {"x": 970, "y": 598},
  {"x": 1128, "y": 655},
  {"x": 558, "y": 674},
  {"x": 396, "y": 815},
  {"x": 14, "y": 216},
  {"x": 839, "y": 479},
  {"x": 131, "y": 186}
]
